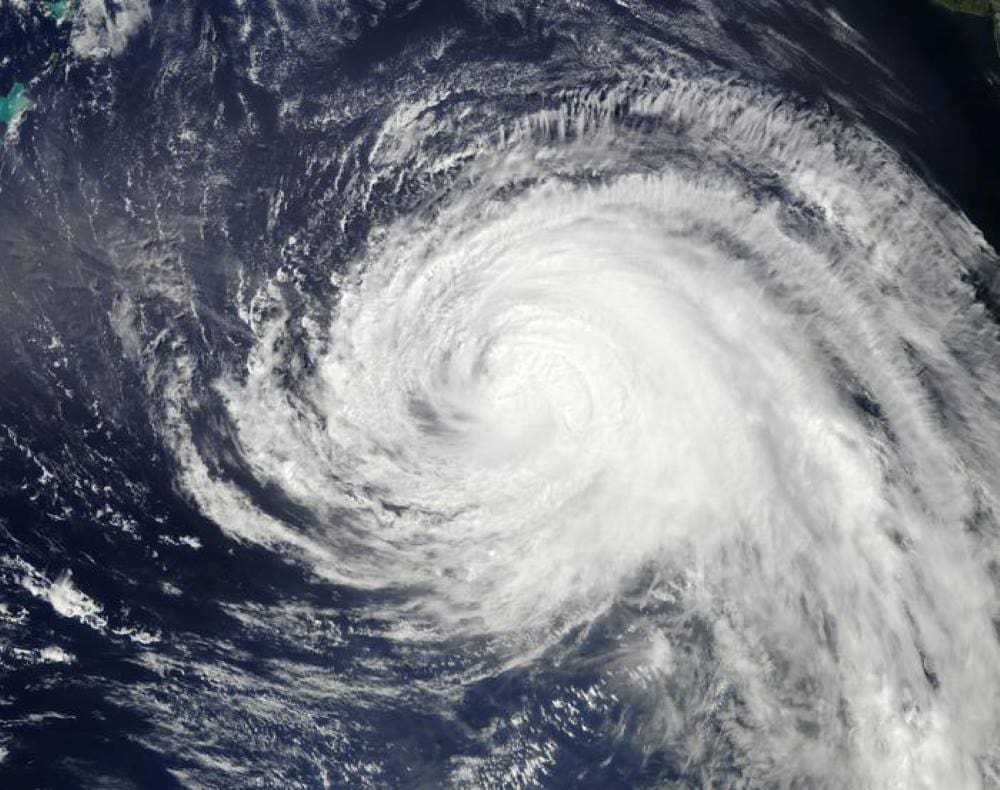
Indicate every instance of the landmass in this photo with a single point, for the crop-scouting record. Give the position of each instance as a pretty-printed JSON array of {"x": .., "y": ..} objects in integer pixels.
[
  {"x": 986, "y": 8},
  {"x": 17, "y": 102}
]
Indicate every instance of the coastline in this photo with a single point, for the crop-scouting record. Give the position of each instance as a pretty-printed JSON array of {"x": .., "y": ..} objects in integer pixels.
[{"x": 983, "y": 8}]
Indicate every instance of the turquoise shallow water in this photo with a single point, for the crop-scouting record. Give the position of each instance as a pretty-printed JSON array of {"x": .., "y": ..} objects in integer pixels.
[
  {"x": 13, "y": 104},
  {"x": 60, "y": 8}
]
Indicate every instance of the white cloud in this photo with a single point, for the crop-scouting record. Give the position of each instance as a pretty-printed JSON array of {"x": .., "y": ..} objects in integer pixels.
[
  {"x": 104, "y": 27},
  {"x": 66, "y": 599}
]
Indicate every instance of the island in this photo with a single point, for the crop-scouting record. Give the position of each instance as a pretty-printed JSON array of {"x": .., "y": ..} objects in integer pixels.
[
  {"x": 13, "y": 105},
  {"x": 16, "y": 102},
  {"x": 60, "y": 9}
]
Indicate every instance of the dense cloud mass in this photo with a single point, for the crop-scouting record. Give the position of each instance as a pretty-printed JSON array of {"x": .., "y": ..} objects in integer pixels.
[
  {"x": 587, "y": 368},
  {"x": 629, "y": 417}
]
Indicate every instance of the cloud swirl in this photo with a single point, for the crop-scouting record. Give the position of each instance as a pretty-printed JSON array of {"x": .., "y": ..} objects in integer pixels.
[{"x": 684, "y": 348}]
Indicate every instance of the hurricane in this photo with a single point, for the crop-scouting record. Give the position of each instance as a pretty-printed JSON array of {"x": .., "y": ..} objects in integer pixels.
[{"x": 495, "y": 395}]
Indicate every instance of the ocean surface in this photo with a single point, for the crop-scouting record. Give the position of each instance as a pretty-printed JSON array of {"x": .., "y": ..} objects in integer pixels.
[{"x": 499, "y": 394}]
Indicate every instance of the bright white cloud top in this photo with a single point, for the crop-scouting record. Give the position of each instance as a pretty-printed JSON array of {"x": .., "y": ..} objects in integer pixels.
[{"x": 687, "y": 350}]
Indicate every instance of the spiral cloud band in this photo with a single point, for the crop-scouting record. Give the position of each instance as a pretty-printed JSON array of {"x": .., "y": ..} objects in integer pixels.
[{"x": 684, "y": 350}]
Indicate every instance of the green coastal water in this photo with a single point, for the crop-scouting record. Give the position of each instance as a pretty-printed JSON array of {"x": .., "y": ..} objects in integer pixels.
[
  {"x": 13, "y": 104},
  {"x": 60, "y": 8}
]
